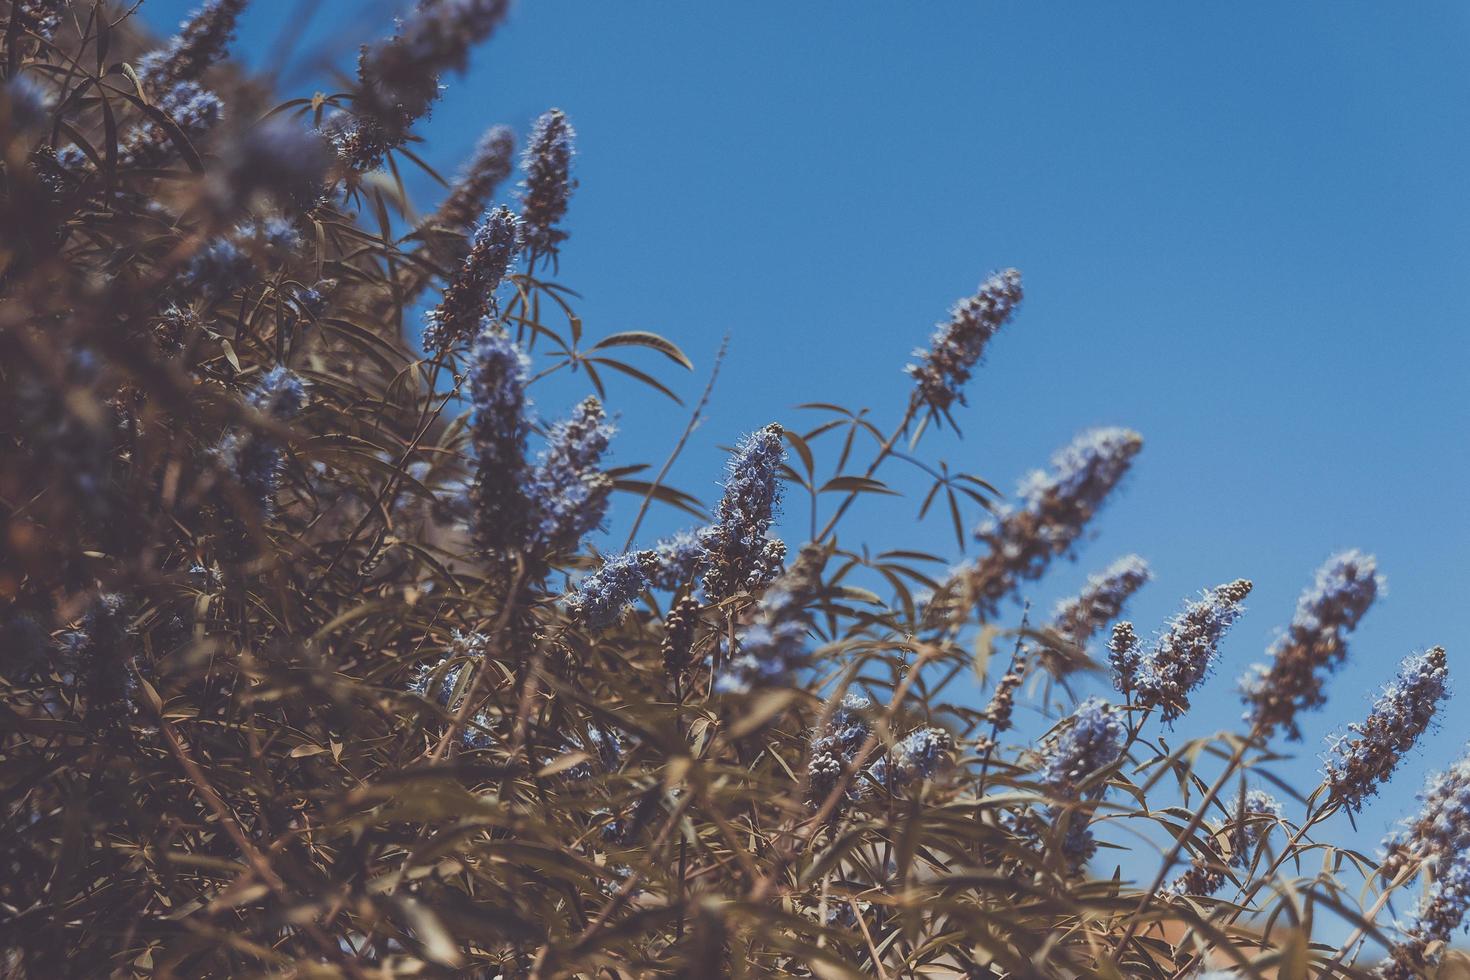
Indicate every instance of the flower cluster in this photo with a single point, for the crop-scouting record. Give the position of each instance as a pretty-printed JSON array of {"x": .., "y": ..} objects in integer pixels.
[
  {"x": 916, "y": 757},
  {"x": 959, "y": 344},
  {"x": 1101, "y": 600},
  {"x": 1185, "y": 654},
  {"x": 835, "y": 745},
  {"x": 1003, "y": 699},
  {"x": 1314, "y": 642},
  {"x": 567, "y": 492},
  {"x": 738, "y": 554},
  {"x": 774, "y": 644},
  {"x": 195, "y": 110},
  {"x": 470, "y": 295},
  {"x": 548, "y": 183},
  {"x": 203, "y": 40},
  {"x": 675, "y": 560},
  {"x": 400, "y": 77},
  {"x": 677, "y": 648},
  {"x": 256, "y": 458},
  {"x": 1091, "y": 741},
  {"x": 1125, "y": 653},
  {"x": 498, "y": 432},
  {"x": 1056, "y": 506},
  {"x": 487, "y": 168},
  {"x": 601, "y": 597},
  {"x": 1358, "y": 764},
  {"x": 1439, "y": 839}
]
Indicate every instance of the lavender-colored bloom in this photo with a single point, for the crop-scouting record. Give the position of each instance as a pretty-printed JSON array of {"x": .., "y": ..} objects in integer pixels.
[
  {"x": 1056, "y": 506},
  {"x": 1439, "y": 840},
  {"x": 548, "y": 183},
  {"x": 675, "y": 560},
  {"x": 1186, "y": 652},
  {"x": 1124, "y": 655},
  {"x": 193, "y": 109},
  {"x": 736, "y": 545},
  {"x": 1315, "y": 642},
  {"x": 603, "y": 596},
  {"x": 218, "y": 269},
  {"x": 498, "y": 431},
  {"x": 1253, "y": 817},
  {"x": 39, "y": 17},
  {"x": 835, "y": 745},
  {"x": 279, "y": 157},
  {"x": 567, "y": 491},
  {"x": 1101, "y": 600},
  {"x": 470, "y": 295},
  {"x": 203, "y": 40},
  {"x": 28, "y": 108},
  {"x": 313, "y": 300},
  {"x": 274, "y": 233},
  {"x": 1359, "y": 764},
  {"x": 437, "y": 681},
  {"x": 100, "y": 652},
  {"x": 959, "y": 344},
  {"x": 1092, "y": 741},
  {"x": 487, "y": 168},
  {"x": 400, "y": 77},
  {"x": 254, "y": 458},
  {"x": 916, "y": 757},
  {"x": 774, "y": 644}
]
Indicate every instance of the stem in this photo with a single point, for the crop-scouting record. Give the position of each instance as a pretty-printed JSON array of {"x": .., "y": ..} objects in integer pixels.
[
  {"x": 884, "y": 451},
  {"x": 1195, "y": 822}
]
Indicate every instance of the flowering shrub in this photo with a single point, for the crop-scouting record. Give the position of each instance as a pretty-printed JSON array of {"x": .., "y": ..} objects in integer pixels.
[{"x": 315, "y": 664}]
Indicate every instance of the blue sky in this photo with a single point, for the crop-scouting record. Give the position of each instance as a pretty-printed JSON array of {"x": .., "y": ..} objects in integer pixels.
[{"x": 1245, "y": 232}]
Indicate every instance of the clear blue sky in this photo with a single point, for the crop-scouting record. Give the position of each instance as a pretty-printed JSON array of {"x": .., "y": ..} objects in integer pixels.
[{"x": 1245, "y": 232}]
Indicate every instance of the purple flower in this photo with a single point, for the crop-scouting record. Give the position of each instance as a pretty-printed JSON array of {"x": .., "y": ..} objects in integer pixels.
[
  {"x": 959, "y": 344},
  {"x": 774, "y": 644},
  {"x": 835, "y": 745},
  {"x": 195, "y": 110},
  {"x": 498, "y": 433},
  {"x": 567, "y": 490},
  {"x": 1056, "y": 505},
  {"x": 738, "y": 552},
  {"x": 1186, "y": 652},
  {"x": 256, "y": 459},
  {"x": 470, "y": 295},
  {"x": 489, "y": 166},
  {"x": 217, "y": 270},
  {"x": 916, "y": 757},
  {"x": 1360, "y": 763},
  {"x": 548, "y": 184},
  {"x": 602, "y": 597},
  {"x": 1092, "y": 741},
  {"x": 675, "y": 560},
  {"x": 1101, "y": 600},
  {"x": 1124, "y": 655},
  {"x": 203, "y": 40},
  {"x": 1315, "y": 643}
]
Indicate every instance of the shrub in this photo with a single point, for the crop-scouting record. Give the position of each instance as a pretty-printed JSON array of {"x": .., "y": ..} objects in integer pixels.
[{"x": 312, "y": 666}]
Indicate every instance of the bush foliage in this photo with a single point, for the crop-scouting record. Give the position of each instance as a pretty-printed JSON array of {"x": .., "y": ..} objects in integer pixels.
[{"x": 315, "y": 664}]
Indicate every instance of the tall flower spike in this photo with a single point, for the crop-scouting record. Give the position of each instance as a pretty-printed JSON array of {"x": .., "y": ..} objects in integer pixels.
[
  {"x": 1003, "y": 698},
  {"x": 195, "y": 110},
  {"x": 602, "y": 597},
  {"x": 470, "y": 295},
  {"x": 1439, "y": 839},
  {"x": 548, "y": 183},
  {"x": 835, "y": 745},
  {"x": 1092, "y": 741},
  {"x": 567, "y": 492},
  {"x": 254, "y": 458},
  {"x": 774, "y": 644},
  {"x": 736, "y": 545},
  {"x": 959, "y": 344},
  {"x": 1101, "y": 600},
  {"x": 400, "y": 77},
  {"x": 1186, "y": 652},
  {"x": 203, "y": 40},
  {"x": 1359, "y": 764},
  {"x": 498, "y": 432},
  {"x": 1124, "y": 655},
  {"x": 489, "y": 166},
  {"x": 1315, "y": 643},
  {"x": 679, "y": 628},
  {"x": 1056, "y": 506}
]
